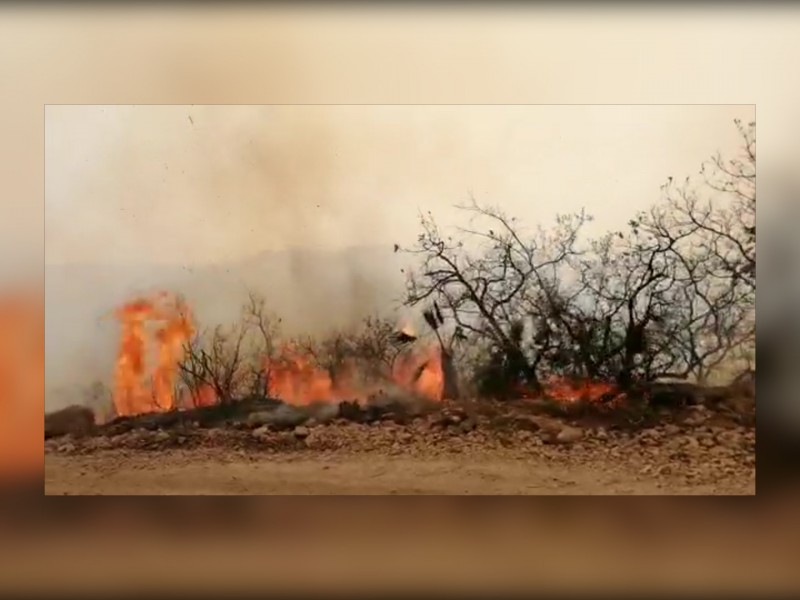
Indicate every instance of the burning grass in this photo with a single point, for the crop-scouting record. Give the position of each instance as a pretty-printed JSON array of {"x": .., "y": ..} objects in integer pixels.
[{"x": 291, "y": 387}]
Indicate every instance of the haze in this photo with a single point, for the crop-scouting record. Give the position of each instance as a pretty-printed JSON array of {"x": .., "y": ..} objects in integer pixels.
[
  {"x": 192, "y": 185},
  {"x": 305, "y": 203}
]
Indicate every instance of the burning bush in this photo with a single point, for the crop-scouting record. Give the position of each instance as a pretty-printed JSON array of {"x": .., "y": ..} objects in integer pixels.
[{"x": 250, "y": 359}]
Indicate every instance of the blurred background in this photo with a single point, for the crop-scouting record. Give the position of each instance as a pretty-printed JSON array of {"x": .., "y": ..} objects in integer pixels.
[{"x": 281, "y": 55}]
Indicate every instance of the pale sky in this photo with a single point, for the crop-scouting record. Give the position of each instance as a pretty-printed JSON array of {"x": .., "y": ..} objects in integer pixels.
[{"x": 204, "y": 184}]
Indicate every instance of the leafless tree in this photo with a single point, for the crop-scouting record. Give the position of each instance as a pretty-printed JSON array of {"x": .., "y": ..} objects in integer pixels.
[
  {"x": 489, "y": 293},
  {"x": 672, "y": 295},
  {"x": 232, "y": 360},
  {"x": 265, "y": 327},
  {"x": 370, "y": 349}
]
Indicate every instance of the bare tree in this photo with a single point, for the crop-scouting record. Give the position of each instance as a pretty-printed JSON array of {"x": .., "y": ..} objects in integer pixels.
[
  {"x": 266, "y": 329},
  {"x": 232, "y": 360},
  {"x": 672, "y": 295},
  {"x": 488, "y": 295},
  {"x": 369, "y": 349}
]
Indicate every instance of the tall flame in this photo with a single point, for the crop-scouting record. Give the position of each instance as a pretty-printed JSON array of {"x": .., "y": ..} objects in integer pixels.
[{"x": 132, "y": 394}]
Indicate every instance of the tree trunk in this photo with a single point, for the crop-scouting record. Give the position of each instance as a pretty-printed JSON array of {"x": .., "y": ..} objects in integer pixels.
[{"x": 451, "y": 389}]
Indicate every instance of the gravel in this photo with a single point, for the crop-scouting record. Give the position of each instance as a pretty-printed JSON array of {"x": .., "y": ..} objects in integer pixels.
[{"x": 692, "y": 451}]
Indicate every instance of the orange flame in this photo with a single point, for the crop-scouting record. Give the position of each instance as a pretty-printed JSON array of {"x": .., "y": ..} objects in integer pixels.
[
  {"x": 421, "y": 372},
  {"x": 570, "y": 391},
  {"x": 294, "y": 377},
  {"x": 131, "y": 394}
]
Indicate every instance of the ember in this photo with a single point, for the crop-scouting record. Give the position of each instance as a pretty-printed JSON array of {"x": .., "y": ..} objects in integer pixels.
[{"x": 567, "y": 390}]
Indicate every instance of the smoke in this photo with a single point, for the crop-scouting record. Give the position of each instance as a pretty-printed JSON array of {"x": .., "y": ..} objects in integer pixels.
[
  {"x": 210, "y": 202},
  {"x": 303, "y": 203}
]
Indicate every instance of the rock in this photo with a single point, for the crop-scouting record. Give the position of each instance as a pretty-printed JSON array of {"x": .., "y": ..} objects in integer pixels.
[
  {"x": 261, "y": 433},
  {"x": 689, "y": 442},
  {"x": 138, "y": 434},
  {"x": 720, "y": 451},
  {"x": 730, "y": 439},
  {"x": 454, "y": 419},
  {"x": 160, "y": 436},
  {"x": 257, "y": 419},
  {"x": 66, "y": 447},
  {"x": 601, "y": 433},
  {"x": 569, "y": 434},
  {"x": 301, "y": 432},
  {"x": 73, "y": 420},
  {"x": 99, "y": 443},
  {"x": 696, "y": 418},
  {"x": 285, "y": 416},
  {"x": 671, "y": 429},
  {"x": 404, "y": 436},
  {"x": 547, "y": 424},
  {"x": 466, "y": 426},
  {"x": 323, "y": 412}
]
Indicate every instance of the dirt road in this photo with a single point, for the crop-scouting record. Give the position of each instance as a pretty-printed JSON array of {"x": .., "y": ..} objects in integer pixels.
[{"x": 222, "y": 472}]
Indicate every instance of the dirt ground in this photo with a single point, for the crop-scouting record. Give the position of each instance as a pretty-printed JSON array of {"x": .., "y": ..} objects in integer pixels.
[
  {"x": 208, "y": 472},
  {"x": 442, "y": 453}
]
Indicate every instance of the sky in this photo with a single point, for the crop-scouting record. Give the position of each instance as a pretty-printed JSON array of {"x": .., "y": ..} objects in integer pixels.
[{"x": 204, "y": 184}]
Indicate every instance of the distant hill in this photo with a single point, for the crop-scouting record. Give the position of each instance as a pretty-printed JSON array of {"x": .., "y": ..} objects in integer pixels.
[{"x": 311, "y": 290}]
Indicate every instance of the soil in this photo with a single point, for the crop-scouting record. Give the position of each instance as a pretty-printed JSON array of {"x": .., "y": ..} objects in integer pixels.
[
  {"x": 390, "y": 458},
  {"x": 184, "y": 473}
]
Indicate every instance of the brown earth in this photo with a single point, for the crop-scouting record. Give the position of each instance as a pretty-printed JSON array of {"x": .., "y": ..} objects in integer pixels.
[
  {"x": 697, "y": 457},
  {"x": 184, "y": 473}
]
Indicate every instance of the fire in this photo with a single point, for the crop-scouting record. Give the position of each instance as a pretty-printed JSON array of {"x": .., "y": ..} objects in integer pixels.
[
  {"x": 132, "y": 395},
  {"x": 294, "y": 377},
  {"x": 570, "y": 391},
  {"x": 204, "y": 396},
  {"x": 421, "y": 372}
]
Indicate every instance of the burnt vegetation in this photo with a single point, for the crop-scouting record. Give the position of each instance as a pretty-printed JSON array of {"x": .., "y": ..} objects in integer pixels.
[{"x": 671, "y": 295}]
